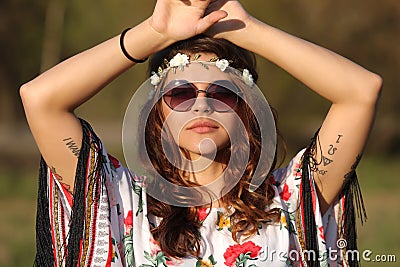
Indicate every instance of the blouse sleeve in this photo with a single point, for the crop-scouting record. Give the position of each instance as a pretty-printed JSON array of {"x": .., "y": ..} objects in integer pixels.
[
  {"x": 321, "y": 239},
  {"x": 75, "y": 229}
]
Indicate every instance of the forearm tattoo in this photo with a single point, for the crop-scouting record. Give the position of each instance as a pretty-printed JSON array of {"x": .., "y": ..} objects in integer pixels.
[{"x": 72, "y": 146}]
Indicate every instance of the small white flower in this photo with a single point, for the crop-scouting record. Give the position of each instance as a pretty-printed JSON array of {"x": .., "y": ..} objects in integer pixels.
[
  {"x": 247, "y": 77},
  {"x": 179, "y": 60},
  {"x": 155, "y": 79},
  {"x": 222, "y": 64}
]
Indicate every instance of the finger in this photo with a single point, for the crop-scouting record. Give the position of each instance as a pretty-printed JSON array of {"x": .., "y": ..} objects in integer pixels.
[
  {"x": 213, "y": 6},
  {"x": 210, "y": 20}
]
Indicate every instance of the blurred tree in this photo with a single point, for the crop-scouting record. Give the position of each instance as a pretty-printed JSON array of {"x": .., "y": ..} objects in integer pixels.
[
  {"x": 21, "y": 24},
  {"x": 53, "y": 32}
]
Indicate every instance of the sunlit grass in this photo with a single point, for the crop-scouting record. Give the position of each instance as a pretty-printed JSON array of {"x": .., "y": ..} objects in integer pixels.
[
  {"x": 17, "y": 220},
  {"x": 379, "y": 179}
]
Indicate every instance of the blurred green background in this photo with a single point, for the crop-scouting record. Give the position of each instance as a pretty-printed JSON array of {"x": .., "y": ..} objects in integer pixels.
[{"x": 35, "y": 35}]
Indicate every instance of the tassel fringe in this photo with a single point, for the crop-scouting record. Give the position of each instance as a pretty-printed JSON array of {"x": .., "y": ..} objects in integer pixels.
[
  {"x": 310, "y": 229},
  {"x": 353, "y": 204},
  {"x": 44, "y": 246}
]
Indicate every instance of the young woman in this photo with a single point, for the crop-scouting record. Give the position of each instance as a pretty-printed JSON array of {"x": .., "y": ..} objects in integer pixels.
[{"x": 94, "y": 212}]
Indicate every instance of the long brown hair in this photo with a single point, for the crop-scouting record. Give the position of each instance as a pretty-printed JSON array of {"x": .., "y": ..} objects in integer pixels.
[{"x": 178, "y": 232}]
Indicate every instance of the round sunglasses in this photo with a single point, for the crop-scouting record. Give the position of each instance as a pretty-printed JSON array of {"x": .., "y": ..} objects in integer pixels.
[{"x": 221, "y": 95}]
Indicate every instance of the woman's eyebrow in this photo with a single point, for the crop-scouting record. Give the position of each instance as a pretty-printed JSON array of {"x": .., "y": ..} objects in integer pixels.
[{"x": 175, "y": 83}]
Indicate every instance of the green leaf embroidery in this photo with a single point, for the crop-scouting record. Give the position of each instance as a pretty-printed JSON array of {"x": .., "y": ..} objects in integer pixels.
[
  {"x": 128, "y": 242},
  {"x": 241, "y": 261},
  {"x": 139, "y": 191},
  {"x": 157, "y": 260},
  {"x": 211, "y": 258}
]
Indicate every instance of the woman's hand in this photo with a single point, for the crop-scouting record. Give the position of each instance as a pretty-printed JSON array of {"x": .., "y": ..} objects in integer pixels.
[
  {"x": 237, "y": 20},
  {"x": 181, "y": 19}
]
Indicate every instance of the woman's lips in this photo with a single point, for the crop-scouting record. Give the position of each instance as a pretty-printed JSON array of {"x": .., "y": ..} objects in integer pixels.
[{"x": 204, "y": 126}]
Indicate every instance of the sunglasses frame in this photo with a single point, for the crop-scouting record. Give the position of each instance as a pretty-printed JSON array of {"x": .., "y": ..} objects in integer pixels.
[{"x": 238, "y": 93}]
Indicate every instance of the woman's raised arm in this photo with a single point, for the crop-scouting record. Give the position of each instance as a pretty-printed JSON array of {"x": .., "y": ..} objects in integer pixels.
[
  {"x": 50, "y": 99},
  {"x": 352, "y": 90}
]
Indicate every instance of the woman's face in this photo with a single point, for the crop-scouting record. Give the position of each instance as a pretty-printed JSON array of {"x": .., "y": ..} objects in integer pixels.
[{"x": 200, "y": 130}]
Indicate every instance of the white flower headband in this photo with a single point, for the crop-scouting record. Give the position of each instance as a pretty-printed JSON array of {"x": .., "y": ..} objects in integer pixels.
[{"x": 180, "y": 61}]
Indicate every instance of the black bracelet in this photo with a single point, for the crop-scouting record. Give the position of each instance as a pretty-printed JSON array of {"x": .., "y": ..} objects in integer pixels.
[{"x": 121, "y": 43}]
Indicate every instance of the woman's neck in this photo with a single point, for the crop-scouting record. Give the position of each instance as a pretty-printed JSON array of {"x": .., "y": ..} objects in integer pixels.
[{"x": 204, "y": 171}]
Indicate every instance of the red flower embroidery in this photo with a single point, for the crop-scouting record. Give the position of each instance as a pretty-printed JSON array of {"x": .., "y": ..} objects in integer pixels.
[
  {"x": 285, "y": 194},
  {"x": 128, "y": 221},
  {"x": 321, "y": 232},
  {"x": 114, "y": 161},
  {"x": 202, "y": 214},
  {"x": 297, "y": 170},
  {"x": 233, "y": 252}
]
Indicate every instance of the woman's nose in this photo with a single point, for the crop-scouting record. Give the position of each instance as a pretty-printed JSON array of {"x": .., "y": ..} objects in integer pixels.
[{"x": 201, "y": 104}]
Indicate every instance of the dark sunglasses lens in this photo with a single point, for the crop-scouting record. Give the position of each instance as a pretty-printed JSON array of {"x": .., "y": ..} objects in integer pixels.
[
  {"x": 181, "y": 98},
  {"x": 221, "y": 98}
]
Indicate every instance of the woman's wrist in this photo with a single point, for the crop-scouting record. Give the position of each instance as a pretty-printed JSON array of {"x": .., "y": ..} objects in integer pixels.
[
  {"x": 142, "y": 41},
  {"x": 243, "y": 34},
  {"x": 257, "y": 37}
]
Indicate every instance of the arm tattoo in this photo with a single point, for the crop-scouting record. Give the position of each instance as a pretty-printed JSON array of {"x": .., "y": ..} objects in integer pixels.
[
  {"x": 353, "y": 168},
  {"x": 72, "y": 146},
  {"x": 325, "y": 160},
  {"x": 53, "y": 170},
  {"x": 59, "y": 178},
  {"x": 332, "y": 150}
]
